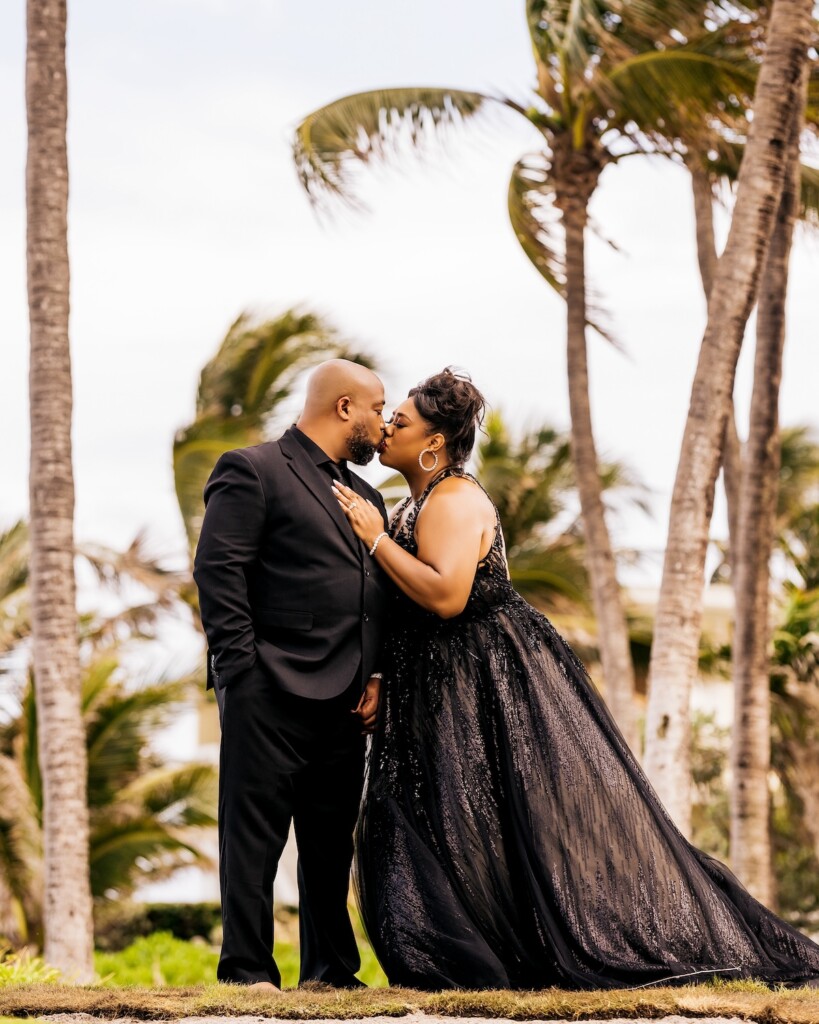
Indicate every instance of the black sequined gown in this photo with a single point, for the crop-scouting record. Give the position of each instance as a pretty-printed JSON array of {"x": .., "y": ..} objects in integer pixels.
[{"x": 509, "y": 838}]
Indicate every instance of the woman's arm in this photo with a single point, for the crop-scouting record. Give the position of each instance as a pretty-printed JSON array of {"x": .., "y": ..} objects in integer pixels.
[{"x": 451, "y": 535}]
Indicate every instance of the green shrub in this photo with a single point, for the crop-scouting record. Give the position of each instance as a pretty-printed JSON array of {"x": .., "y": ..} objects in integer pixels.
[
  {"x": 158, "y": 959},
  {"x": 117, "y": 925},
  {"x": 24, "y": 969},
  {"x": 162, "y": 959}
]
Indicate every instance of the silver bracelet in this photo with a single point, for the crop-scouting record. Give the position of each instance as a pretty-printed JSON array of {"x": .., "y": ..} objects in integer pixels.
[{"x": 377, "y": 541}]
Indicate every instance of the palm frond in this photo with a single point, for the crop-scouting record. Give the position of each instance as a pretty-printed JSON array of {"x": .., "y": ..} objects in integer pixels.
[
  {"x": 254, "y": 371},
  {"x": 96, "y": 680},
  {"x": 127, "y": 852},
  {"x": 20, "y": 848},
  {"x": 723, "y": 161},
  {"x": 182, "y": 797},
  {"x": 135, "y": 565},
  {"x": 134, "y": 622},
  {"x": 552, "y": 577},
  {"x": 118, "y": 733},
  {"x": 809, "y": 195},
  {"x": 14, "y": 549},
  {"x": 679, "y": 91},
  {"x": 14, "y": 612},
  {"x": 536, "y": 222},
  {"x": 367, "y": 126}
]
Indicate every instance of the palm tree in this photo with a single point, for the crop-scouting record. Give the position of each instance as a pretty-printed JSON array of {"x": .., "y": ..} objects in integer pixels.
[
  {"x": 14, "y": 604},
  {"x": 241, "y": 388},
  {"x": 678, "y": 623},
  {"x": 613, "y": 80},
  {"x": 751, "y": 739},
  {"x": 795, "y": 699},
  {"x": 146, "y": 815},
  {"x": 67, "y": 907},
  {"x": 531, "y": 481},
  {"x": 140, "y": 811},
  {"x": 21, "y": 866}
]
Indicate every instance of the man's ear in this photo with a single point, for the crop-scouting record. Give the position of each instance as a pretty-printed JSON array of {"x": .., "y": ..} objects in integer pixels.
[{"x": 343, "y": 407}]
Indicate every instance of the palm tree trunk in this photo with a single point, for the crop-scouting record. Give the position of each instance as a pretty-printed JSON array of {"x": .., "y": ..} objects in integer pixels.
[
  {"x": 708, "y": 259},
  {"x": 679, "y": 614},
  {"x": 704, "y": 222},
  {"x": 573, "y": 192},
  {"x": 751, "y": 736},
  {"x": 800, "y": 749},
  {"x": 67, "y": 898}
]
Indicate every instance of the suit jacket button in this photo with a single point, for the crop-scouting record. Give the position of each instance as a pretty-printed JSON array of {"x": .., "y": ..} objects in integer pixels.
[
  {"x": 366, "y": 618},
  {"x": 366, "y": 572}
]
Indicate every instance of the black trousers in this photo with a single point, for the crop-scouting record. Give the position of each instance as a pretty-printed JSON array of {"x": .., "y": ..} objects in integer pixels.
[{"x": 285, "y": 758}]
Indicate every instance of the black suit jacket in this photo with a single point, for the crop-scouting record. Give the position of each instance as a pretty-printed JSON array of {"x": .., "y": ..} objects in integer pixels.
[{"x": 283, "y": 581}]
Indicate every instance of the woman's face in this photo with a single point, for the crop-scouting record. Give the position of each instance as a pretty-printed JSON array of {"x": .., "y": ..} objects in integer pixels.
[{"x": 407, "y": 435}]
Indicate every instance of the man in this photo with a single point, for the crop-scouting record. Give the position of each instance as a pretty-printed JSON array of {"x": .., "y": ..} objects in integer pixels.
[{"x": 293, "y": 605}]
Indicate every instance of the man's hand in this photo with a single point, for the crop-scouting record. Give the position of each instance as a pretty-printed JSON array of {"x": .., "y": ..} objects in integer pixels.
[{"x": 367, "y": 707}]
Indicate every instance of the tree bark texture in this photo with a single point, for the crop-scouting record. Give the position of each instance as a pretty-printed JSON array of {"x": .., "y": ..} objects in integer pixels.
[
  {"x": 751, "y": 735},
  {"x": 62, "y": 754},
  {"x": 577, "y": 175},
  {"x": 679, "y": 614},
  {"x": 707, "y": 258}
]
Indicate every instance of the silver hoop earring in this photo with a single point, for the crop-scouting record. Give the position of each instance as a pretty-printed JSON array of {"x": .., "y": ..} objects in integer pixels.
[{"x": 428, "y": 469}]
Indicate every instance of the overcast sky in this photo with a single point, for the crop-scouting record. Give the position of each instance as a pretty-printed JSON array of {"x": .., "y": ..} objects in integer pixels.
[{"x": 185, "y": 210}]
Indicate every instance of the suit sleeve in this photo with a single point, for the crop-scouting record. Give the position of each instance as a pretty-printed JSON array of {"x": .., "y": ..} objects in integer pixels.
[{"x": 229, "y": 542}]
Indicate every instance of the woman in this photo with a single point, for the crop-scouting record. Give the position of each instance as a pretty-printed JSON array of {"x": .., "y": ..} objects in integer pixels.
[{"x": 508, "y": 836}]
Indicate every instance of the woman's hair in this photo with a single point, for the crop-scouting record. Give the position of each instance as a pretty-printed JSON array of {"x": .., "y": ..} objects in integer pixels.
[{"x": 452, "y": 405}]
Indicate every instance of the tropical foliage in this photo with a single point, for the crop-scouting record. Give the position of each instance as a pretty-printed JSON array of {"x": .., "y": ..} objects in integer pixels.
[
  {"x": 241, "y": 390},
  {"x": 612, "y": 80},
  {"x": 144, "y": 814},
  {"x": 532, "y": 481}
]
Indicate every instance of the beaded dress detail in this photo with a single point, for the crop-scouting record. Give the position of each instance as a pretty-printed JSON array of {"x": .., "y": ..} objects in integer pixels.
[{"x": 508, "y": 836}]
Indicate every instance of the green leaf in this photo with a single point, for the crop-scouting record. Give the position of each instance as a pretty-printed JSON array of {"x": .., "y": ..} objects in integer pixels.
[
  {"x": 367, "y": 126},
  {"x": 254, "y": 371},
  {"x": 680, "y": 91}
]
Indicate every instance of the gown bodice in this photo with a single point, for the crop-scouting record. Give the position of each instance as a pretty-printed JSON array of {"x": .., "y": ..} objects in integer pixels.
[{"x": 491, "y": 588}]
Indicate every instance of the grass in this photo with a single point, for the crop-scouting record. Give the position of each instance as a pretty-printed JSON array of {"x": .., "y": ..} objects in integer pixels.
[
  {"x": 747, "y": 1001},
  {"x": 160, "y": 959}
]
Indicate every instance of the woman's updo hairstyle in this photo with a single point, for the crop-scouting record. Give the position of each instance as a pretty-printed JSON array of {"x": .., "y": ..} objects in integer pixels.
[{"x": 452, "y": 405}]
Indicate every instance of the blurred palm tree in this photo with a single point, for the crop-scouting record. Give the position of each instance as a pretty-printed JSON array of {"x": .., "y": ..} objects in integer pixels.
[
  {"x": 613, "y": 80},
  {"x": 52, "y": 586},
  {"x": 795, "y": 662},
  {"x": 147, "y": 590},
  {"x": 240, "y": 391},
  {"x": 15, "y": 618},
  {"x": 141, "y": 811},
  {"x": 531, "y": 481},
  {"x": 144, "y": 812}
]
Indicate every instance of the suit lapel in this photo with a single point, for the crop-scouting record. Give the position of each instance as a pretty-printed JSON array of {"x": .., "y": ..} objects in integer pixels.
[{"x": 319, "y": 485}]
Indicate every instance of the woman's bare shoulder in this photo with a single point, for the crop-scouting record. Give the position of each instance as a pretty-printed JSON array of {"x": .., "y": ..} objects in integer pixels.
[{"x": 462, "y": 491}]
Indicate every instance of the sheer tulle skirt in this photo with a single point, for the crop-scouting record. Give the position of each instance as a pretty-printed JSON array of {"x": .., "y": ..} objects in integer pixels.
[{"x": 509, "y": 838}]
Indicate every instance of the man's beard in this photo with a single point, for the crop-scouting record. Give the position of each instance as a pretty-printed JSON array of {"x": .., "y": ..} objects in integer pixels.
[{"x": 359, "y": 445}]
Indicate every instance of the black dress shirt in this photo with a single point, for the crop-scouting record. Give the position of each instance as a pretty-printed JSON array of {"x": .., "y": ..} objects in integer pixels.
[{"x": 335, "y": 470}]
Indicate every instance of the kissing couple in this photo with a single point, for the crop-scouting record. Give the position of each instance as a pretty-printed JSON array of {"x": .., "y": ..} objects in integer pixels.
[{"x": 504, "y": 835}]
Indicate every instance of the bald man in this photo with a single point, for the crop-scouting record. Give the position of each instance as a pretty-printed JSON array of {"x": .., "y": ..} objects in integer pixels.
[{"x": 293, "y": 605}]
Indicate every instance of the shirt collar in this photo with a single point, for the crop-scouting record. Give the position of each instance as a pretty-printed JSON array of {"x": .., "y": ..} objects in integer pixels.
[{"x": 317, "y": 454}]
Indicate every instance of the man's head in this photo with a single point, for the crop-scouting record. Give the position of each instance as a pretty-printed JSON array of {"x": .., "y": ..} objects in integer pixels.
[{"x": 344, "y": 410}]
